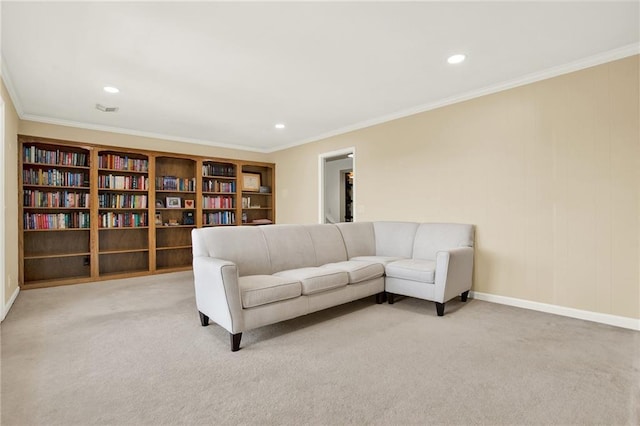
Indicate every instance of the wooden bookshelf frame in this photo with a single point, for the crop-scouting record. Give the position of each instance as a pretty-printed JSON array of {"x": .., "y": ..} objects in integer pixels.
[{"x": 120, "y": 252}]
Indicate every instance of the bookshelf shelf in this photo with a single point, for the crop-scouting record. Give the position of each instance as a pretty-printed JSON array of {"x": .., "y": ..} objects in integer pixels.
[
  {"x": 144, "y": 191},
  {"x": 174, "y": 248},
  {"x": 126, "y": 209},
  {"x": 168, "y": 191},
  {"x": 103, "y": 170},
  {"x": 55, "y": 230},
  {"x": 50, "y": 187},
  {"x": 52, "y": 256},
  {"x": 57, "y": 166},
  {"x": 92, "y": 212},
  {"x": 106, "y": 252},
  {"x": 55, "y": 208}
]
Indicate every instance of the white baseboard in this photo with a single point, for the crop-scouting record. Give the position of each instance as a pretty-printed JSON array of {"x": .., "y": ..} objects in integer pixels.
[
  {"x": 9, "y": 304},
  {"x": 618, "y": 321}
]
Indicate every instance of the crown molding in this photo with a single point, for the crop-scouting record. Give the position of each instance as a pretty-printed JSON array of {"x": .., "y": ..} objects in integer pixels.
[
  {"x": 131, "y": 132},
  {"x": 8, "y": 83},
  {"x": 601, "y": 58},
  {"x": 6, "y": 77}
]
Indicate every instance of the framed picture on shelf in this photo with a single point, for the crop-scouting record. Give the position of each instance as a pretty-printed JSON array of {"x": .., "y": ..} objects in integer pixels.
[
  {"x": 187, "y": 218},
  {"x": 189, "y": 204},
  {"x": 251, "y": 181},
  {"x": 158, "y": 218},
  {"x": 173, "y": 202}
]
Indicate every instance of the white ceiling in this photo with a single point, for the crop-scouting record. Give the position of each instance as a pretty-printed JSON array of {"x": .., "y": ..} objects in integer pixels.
[{"x": 223, "y": 73}]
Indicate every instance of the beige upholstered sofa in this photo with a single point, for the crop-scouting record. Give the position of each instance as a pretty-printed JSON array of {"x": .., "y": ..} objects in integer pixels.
[{"x": 248, "y": 277}]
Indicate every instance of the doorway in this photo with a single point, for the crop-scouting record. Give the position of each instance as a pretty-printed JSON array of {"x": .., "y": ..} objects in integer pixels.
[{"x": 337, "y": 186}]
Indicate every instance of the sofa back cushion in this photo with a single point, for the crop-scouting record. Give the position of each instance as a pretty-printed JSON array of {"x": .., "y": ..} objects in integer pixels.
[
  {"x": 327, "y": 243},
  {"x": 359, "y": 239},
  {"x": 243, "y": 245},
  {"x": 394, "y": 238},
  {"x": 289, "y": 246},
  {"x": 432, "y": 237}
]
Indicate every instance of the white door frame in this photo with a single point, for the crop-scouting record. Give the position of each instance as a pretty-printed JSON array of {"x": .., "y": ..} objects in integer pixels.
[
  {"x": 3, "y": 207},
  {"x": 322, "y": 158}
]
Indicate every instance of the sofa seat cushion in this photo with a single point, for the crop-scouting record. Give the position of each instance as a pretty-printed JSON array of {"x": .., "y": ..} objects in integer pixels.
[
  {"x": 315, "y": 279},
  {"x": 384, "y": 260},
  {"x": 412, "y": 269},
  {"x": 257, "y": 290},
  {"x": 358, "y": 270}
]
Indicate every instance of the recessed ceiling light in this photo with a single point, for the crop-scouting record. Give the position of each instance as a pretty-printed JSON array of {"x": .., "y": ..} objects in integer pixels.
[
  {"x": 456, "y": 59},
  {"x": 279, "y": 126},
  {"x": 110, "y": 89}
]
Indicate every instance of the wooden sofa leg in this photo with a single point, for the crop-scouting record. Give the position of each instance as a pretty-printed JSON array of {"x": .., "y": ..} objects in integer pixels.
[
  {"x": 463, "y": 296},
  {"x": 391, "y": 298},
  {"x": 381, "y": 297},
  {"x": 235, "y": 341},
  {"x": 204, "y": 320},
  {"x": 440, "y": 309}
]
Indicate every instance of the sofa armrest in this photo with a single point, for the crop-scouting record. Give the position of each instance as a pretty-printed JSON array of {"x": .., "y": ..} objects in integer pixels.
[
  {"x": 217, "y": 292},
  {"x": 454, "y": 271}
]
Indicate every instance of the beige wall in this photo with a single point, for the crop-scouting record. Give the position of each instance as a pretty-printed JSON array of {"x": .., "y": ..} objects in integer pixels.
[
  {"x": 10, "y": 170},
  {"x": 549, "y": 172}
]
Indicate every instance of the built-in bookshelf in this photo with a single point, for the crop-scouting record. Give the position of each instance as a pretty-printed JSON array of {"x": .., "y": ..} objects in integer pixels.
[
  {"x": 257, "y": 194},
  {"x": 92, "y": 212},
  {"x": 175, "y": 210},
  {"x": 219, "y": 190},
  {"x": 55, "y": 212},
  {"x": 123, "y": 212}
]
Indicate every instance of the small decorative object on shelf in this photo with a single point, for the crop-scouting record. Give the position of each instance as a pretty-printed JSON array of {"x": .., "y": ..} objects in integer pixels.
[
  {"x": 265, "y": 189},
  {"x": 251, "y": 182},
  {"x": 174, "y": 202},
  {"x": 189, "y": 204},
  {"x": 188, "y": 218},
  {"x": 158, "y": 218}
]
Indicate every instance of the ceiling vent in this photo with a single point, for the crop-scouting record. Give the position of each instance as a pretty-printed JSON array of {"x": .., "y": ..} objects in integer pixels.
[{"x": 106, "y": 108}]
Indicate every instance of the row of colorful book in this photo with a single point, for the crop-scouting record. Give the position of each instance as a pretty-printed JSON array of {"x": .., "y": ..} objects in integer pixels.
[
  {"x": 33, "y": 154},
  {"x": 118, "y": 162},
  {"x": 56, "y": 220},
  {"x": 54, "y": 177},
  {"x": 37, "y": 198}
]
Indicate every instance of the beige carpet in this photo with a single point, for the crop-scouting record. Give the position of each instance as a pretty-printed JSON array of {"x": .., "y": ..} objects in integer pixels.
[{"x": 132, "y": 352}]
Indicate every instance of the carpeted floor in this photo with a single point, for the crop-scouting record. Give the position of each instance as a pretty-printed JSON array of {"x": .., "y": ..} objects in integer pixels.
[{"x": 132, "y": 352}]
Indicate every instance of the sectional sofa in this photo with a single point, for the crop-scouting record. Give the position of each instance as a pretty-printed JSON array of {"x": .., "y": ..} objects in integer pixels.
[{"x": 247, "y": 277}]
